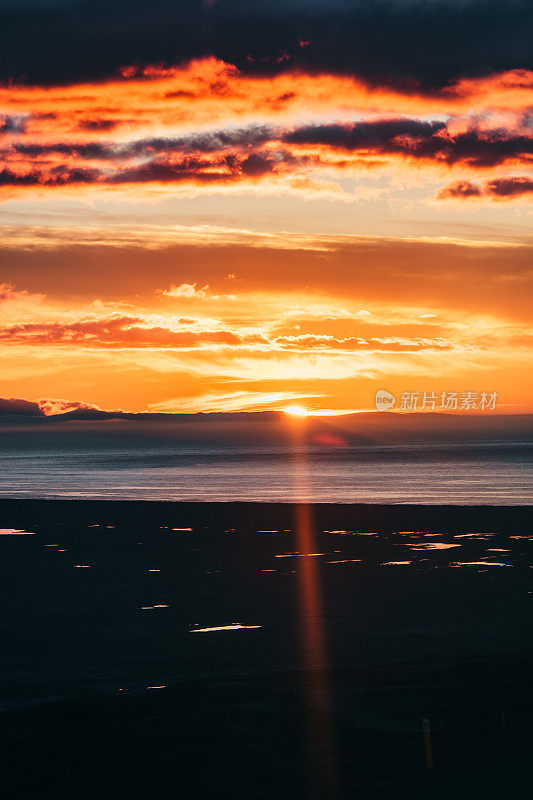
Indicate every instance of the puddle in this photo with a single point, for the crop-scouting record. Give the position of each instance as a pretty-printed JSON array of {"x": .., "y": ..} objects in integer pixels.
[
  {"x": 338, "y": 532},
  {"x": 236, "y": 626},
  {"x": 479, "y": 564},
  {"x": 432, "y": 546},
  {"x": 301, "y": 555}
]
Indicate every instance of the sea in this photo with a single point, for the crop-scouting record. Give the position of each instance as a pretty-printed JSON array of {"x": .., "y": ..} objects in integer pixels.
[
  {"x": 163, "y": 650},
  {"x": 118, "y": 463}
]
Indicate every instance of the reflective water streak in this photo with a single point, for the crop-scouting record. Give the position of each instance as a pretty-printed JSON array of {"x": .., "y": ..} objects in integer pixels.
[
  {"x": 235, "y": 626},
  {"x": 15, "y": 532},
  {"x": 432, "y": 546},
  {"x": 322, "y": 775}
]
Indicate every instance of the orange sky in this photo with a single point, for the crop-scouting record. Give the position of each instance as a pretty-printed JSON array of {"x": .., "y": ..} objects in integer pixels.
[{"x": 194, "y": 238}]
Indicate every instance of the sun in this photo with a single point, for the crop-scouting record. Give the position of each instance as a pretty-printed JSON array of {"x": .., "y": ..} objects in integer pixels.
[{"x": 296, "y": 411}]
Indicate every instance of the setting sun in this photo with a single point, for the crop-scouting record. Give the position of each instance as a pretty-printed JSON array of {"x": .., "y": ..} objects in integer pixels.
[{"x": 296, "y": 411}]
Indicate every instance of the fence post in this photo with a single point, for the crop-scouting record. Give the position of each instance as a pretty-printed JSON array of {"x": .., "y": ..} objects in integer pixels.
[{"x": 426, "y": 730}]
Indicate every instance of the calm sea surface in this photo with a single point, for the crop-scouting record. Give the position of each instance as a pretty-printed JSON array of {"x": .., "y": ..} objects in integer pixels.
[{"x": 125, "y": 467}]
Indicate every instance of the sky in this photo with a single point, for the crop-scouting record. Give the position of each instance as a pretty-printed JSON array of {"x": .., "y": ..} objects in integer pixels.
[{"x": 222, "y": 205}]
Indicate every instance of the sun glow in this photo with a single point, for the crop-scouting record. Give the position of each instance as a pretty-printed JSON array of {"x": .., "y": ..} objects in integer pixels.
[{"x": 296, "y": 411}]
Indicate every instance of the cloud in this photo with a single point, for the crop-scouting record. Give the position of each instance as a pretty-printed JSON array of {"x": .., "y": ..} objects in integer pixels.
[
  {"x": 19, "y": 302},
  {"x": 97, "y": 124},
  {"x": 417, "y": 139},
  {"x": 186, "y": 290},
  {"x": 42, "y": 408},
  {"x": 503, "y": 188},
  {"x": 58, "y": 176},
  {"x": 418, "y": 45},
  {"x": 199, "y": 171},
  {"x": 461, "y": 189},
  {"x": 167, "y": 331},
  {"x": 123, "y": 331},
  {"x": 14, "y": 406},
  {"x": 383, "y": 345},
  {"x": 259, "y": 157},
  {"x": 192, "y": 292},
  {"x": 364, "y": 135},
  {"x": 133, "y": 353},
  {"x": 11, "y": 124},
  {"x": 400, "y": 135},
  {"x": 509, "y": 187},
  {"x": 220, "y": 401},
  {"x": 8, "y": 291},
  {"x": 154, "y": 237},
  {"x": 173, "y": 101},
  {"x": 107, "y": 107},
  {"x": 51, "y": 407}
]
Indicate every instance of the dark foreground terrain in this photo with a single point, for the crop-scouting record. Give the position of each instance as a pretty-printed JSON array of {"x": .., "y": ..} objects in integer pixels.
[{"x": 358, "y": 622}]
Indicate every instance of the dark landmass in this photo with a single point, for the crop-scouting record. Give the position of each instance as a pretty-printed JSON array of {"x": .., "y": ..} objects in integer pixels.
[
  {"x": 22, "y": 421},
  {"x": 253, "y": 516},
  {"x": 243, "y": 714}
]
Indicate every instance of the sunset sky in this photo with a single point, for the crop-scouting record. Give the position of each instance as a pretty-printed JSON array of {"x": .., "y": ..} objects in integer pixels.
[{"x": 229, "y": 205}]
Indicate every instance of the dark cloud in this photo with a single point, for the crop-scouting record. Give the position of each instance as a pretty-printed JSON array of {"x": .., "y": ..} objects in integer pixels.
[
  {"x": 12, "y": 124},
  {"x": 39, "y": 410},
  {"x": 513, "y": 186},
  {"x": 227, "y": 168},
  {"x": 460, "y": 189},
  {"x": 406, "y": 44},
  {"x": 172, "y": 167},
  {"x": 372, "y": 135},
  {"x": 58, "y": 176},
  {"x": 97, "y": 124},
  {"x": 13, "y": 406},
  {"x": 190, "y": 169},
  {"x": 205, "y": 142},
  {"x": 509, "y": 187},
  {"x": 254, "y": 151},
  {"x": 418, "y": 139}
]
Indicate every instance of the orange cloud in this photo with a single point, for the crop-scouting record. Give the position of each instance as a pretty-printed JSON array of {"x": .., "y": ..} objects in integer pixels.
[
  {"x": 306, "y": 158},
  {"x": 188, "y": 97}
]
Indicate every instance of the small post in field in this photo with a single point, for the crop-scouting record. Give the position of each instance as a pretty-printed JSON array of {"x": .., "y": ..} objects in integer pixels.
[{"x": 426, "y": 730}]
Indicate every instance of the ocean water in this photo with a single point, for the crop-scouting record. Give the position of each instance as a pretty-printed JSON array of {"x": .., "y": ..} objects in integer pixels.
[{"x": 106, "y": 464}]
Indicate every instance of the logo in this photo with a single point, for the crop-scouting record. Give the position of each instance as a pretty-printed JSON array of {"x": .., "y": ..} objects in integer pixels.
[{"x": 384, "y": 400}]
